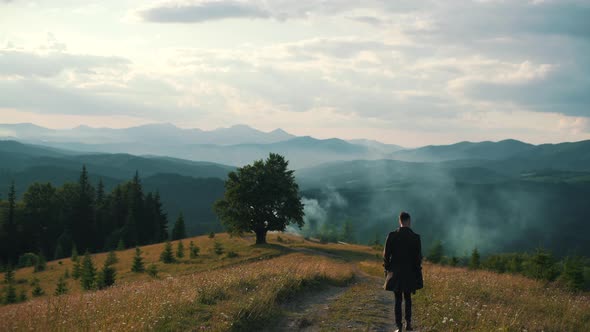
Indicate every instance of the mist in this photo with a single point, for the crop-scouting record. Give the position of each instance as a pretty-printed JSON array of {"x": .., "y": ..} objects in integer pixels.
[{"x": 463, "y": 211}]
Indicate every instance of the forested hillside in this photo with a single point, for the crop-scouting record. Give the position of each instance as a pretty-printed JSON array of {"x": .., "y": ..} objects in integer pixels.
[{"x": 50, "y": 221}]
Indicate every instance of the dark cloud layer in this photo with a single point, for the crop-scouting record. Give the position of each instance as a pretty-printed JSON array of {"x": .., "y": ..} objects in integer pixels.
[{"x": 563, "y": 92}]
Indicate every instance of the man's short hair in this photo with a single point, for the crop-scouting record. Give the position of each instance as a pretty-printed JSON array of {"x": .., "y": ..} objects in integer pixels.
[{"x": 404, "y": 217}]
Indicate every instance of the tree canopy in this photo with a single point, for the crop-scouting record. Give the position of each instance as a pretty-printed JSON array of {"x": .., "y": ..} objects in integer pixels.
[
  {"x": 51, "y": 221},
  {"x": 261, "y": 197}
]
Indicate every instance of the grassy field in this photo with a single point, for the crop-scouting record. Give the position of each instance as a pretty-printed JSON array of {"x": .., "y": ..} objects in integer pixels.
[{"x": 253, "y": 291}]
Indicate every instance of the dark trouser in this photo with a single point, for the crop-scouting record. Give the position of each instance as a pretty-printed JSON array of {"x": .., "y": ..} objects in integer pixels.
[{"x": 398, "y": 307}]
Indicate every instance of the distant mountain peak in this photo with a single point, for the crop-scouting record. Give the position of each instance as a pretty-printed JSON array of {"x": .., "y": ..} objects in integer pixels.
[
  {"x": 279, "y": 131},
  {"x": 22, "y": 125},
  {"x": 241, "y": 126},
  {"x": 159, "y": 125}
]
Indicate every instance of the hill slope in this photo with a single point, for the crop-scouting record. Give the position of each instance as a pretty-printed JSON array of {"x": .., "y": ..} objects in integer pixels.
[
  {"x": 185, "y": 186},
  {"x": 289, "y": 285}
]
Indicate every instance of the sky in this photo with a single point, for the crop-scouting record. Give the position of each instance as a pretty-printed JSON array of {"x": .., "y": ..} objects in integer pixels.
[{"x": 403, "y": 72}]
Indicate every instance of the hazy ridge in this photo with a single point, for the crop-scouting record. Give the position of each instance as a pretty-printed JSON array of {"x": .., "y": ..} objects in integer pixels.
[{"x": 494, "y": 195}]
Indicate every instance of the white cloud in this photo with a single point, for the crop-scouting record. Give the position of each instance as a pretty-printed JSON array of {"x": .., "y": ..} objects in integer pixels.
[
  {"x": 29, "y": 64},
  {"x": 410, "y": 70}
]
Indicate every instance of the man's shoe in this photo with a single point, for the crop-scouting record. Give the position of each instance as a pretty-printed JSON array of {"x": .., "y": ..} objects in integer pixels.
[
  {"x": 399, "y": 328},
  {"x": 409, "y": 327}
]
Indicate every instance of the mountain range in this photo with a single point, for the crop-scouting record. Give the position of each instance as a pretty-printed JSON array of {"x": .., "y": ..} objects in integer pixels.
[
  {"x": 237, "y": 145},
  {"x": 463, "y": 193}
]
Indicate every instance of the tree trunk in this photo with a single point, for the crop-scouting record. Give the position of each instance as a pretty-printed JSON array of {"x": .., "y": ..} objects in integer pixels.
[{"x": 261, "y": 236}]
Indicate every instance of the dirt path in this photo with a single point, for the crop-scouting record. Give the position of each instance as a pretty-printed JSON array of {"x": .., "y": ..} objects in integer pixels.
[
  {"x": 360, "y": 306},
  {"x": 307, "y": 312}
]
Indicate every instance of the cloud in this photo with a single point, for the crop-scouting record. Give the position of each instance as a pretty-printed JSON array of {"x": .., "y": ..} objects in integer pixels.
[
  {"x": 418, "y": 67},
  {"x": 30, "y": 64},
  {"x": 33, "y": 95},
  {"x": 561, "y": 89},
  {"x": 460, "y": 19},
  {"x": 200, "y": 11}
]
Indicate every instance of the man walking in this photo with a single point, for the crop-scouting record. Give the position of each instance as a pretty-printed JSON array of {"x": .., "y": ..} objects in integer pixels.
[{"x": 402, "y": 260}]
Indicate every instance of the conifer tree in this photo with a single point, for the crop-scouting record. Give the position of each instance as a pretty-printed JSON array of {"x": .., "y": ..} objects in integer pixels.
[
  {"x": 167, "y": 256},
  {"x": 22, "y": 296},
  {"x": 75, "y": 256},
  {"x": 348, "y": 231},
  {"x": 152, "y": 270},
  {"x": 130, "y": 229},
  {"x": 474, "y": 262},
  {"x": 180, "y": 250},
  {"x": 59, "y": 252},
  {"x": 106, "y": 276},
  {"x": 37, "y": 290},
  {"x": 138, "y": 265},
  {"x": 100, "y": 213},
  {"x": 121, "y": 245},
  {"x": 100, "y": 192},
  {"x": 88, "y": 273},
  {"x": 193, "y": 250},
  {"x": 218, "y": 248},
  {"x": 40, "y": 264},
  {"x": 10, "y": 226},
  {"x": 162, "y": 219},
  {"x": 77, "y": 269},
  {"x": 61, "y": 287},
  {"x": 435, "y": 254},
  {"x": 112, "y": 258},
  {"x": 9, "y": 276},
  {"x": 542, "y": 265},
  {"x": 179, "y": 230},
  {"x": 10, "y": 291},
  {"x": 82, "y": 226},
  {"x": 573, "y": 273}
]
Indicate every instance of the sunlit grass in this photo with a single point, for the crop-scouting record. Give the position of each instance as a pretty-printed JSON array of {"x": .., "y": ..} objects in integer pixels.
[
  {"x": 235, "y": 297},
  {"x": 217, "y": 292},
  {"x": 458, "y": 299},
  {"x": 206, "y": 260}
]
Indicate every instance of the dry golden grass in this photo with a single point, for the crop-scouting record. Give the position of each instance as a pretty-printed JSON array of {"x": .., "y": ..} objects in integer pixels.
[
  {"x": 218, "y": 293},
  {"x": 235, "y": 297},
  {"x": 458, "y": 299},
  {"x": 207, "y": 260}
]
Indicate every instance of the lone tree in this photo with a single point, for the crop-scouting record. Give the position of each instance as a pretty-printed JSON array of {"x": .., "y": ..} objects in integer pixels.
[{"x": 261, "y": 197}]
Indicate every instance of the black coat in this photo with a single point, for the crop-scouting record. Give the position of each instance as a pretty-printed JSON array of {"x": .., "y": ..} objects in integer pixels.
[{"x": 402, "y": 255}]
